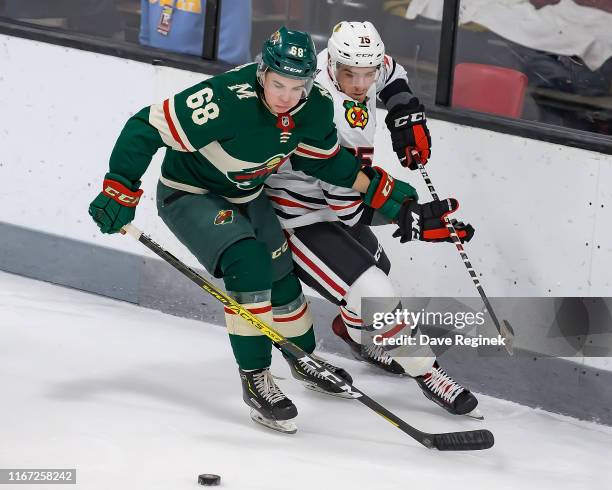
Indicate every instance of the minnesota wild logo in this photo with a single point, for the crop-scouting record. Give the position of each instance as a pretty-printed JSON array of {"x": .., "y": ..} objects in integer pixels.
[
  {"x": 249, "y": 178},
  {"x": 356, "y": 114},
  {"x": 224, "y": 216},
  {"x": 275, "y": 37}
]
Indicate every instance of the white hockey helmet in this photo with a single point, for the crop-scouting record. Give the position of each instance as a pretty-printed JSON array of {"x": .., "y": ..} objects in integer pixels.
[{"x": 355, "y": 44}]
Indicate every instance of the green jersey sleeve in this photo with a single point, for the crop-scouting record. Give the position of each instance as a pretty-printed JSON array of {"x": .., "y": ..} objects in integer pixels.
[
  {"x": 320, "y": 154},
  {"x": 184, "y": 122},
  {"x": 135, "y": 147},
  {"x": 339, "y": 167}
]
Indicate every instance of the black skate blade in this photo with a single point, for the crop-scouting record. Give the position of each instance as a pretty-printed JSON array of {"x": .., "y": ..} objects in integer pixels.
[
  {"x": 379, "y": 369},
  {"x": 318, "y": 389},
  {"x": 464, "y": 441}
]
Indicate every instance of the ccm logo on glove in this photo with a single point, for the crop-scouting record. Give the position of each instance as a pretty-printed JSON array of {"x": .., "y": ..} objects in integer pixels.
[
  {"x": 121, "y": 193},
  {"x": 416, "y": 226},
  {"x": 115, "y": 206},
  {"x": 386, "y": 191},
  {"x": 426, "y": 222},
  {"x": 414, "y": 118},
  {"x": 409, "y": 133}
]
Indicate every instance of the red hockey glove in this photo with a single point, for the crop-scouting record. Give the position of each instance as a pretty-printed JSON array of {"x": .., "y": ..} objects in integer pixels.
[
  {"x": 426, "y": 222},
  {"x": 409, "y": 132},
  {"x": 115, "y": 206}
]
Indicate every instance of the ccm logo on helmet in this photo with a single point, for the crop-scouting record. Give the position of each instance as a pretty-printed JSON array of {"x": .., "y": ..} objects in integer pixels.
[
  {"x": 364, "y": 55},
  {"x": 416, "y": 117},
  {"x": 289, "y": 68}
]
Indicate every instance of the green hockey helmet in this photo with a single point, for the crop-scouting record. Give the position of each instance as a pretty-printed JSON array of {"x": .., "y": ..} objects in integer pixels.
[{"x": 291, "y": 54}]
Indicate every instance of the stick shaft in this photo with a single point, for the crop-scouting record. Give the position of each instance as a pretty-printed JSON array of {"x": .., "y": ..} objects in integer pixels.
[{"x": 504, "y": 329}]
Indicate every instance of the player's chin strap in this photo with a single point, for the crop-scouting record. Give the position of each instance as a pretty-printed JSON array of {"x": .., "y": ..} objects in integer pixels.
[
  {"x": 504, "y": 329},
  {"x": 448, "y": 441}
]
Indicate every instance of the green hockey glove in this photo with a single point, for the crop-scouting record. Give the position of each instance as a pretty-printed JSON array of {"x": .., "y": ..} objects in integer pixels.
[
  {"x": 115, "y": 206},
  {"x": 386, "y": 193}
]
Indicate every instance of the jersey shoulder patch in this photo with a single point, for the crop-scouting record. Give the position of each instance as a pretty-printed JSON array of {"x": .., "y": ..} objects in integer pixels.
[{"x": 324, "y": 92}]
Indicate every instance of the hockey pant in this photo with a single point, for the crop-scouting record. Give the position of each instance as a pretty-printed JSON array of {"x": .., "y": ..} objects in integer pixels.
[{"x": 344, "y": 264}]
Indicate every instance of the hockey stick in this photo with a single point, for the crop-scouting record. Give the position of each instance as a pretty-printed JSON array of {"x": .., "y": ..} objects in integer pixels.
[
  {"x": 448, "y": 441},
  {"x": 504, "y": 329}
]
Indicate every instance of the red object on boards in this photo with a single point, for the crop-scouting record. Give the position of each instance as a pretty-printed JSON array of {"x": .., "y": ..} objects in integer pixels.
[{"x": 489, "y": 88}]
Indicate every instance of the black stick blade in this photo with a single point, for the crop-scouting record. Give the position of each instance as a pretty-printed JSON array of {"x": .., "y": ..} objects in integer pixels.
[{"x": 472, "y": 440}]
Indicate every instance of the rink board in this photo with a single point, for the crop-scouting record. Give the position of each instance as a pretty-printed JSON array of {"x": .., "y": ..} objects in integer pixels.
[{"x": 540, "y": 211}]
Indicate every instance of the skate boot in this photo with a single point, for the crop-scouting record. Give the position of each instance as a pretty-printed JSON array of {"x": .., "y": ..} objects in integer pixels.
[
  {"x": 371, "y": 353},
  {"x": 440, "y": 388},
  {"x": 314, "y": 381},
  {"x": 269, "y": 405}
]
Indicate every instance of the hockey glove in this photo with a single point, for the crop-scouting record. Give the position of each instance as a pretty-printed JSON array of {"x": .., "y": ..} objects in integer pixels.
[
  {"x": 115, "y": 206},
  {"x": 385, "y": 193},
  {"x": 409, "y": 132},
  {"x": 426, "y": 222}
]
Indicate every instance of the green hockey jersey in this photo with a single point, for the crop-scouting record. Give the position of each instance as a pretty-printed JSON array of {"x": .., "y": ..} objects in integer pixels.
[{"x": 221, "y": 138}]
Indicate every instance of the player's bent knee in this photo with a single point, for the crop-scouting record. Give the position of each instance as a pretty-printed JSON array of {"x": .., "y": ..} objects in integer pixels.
[
  {"x": 246, "y": 266},
  {"x": 286, "y": 289},
  {"x": 372, "y": 283}
]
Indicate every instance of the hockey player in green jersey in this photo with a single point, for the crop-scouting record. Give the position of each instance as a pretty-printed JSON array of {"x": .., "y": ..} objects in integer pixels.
[{"x": 223, "y": 138}]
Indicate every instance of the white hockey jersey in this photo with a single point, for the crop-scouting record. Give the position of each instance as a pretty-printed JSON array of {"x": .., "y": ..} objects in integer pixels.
[{"x": 301, "y": 200}]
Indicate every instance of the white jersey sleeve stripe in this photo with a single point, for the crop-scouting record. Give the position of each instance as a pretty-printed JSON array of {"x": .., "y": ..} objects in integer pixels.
[
  {"x": 157, "y": 119},
  {"x": 308, "y": 151},
  {"x": 175, "y": 126}
]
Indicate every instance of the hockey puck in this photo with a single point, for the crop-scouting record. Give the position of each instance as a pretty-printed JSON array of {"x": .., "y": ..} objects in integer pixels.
[{"x": 209, "y": 479}]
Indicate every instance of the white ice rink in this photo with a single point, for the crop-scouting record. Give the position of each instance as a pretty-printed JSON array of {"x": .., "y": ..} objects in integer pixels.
[{"x": 136, "y": 399}]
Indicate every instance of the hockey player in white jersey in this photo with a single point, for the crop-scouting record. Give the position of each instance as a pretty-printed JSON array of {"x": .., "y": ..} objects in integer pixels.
[{"x": 328, "y": 227}]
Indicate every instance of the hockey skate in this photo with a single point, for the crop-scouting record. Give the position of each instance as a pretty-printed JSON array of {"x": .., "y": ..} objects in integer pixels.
[
  {"x": 371, "y": 353},
  {"x": 314, "y": 381},
  {"x": 269, "y": 405},
  {"x": 443, "y": 390}
]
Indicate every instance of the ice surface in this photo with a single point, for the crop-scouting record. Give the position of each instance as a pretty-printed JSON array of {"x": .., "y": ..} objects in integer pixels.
[{"x": 136, "y": 399}]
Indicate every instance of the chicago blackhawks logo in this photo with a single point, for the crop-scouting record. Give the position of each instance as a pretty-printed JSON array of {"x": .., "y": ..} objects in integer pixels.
[
  {"x": 249, "y": 178},
  {"x": 356, "y": 114},
  {"x": 224, "y": 216}
]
